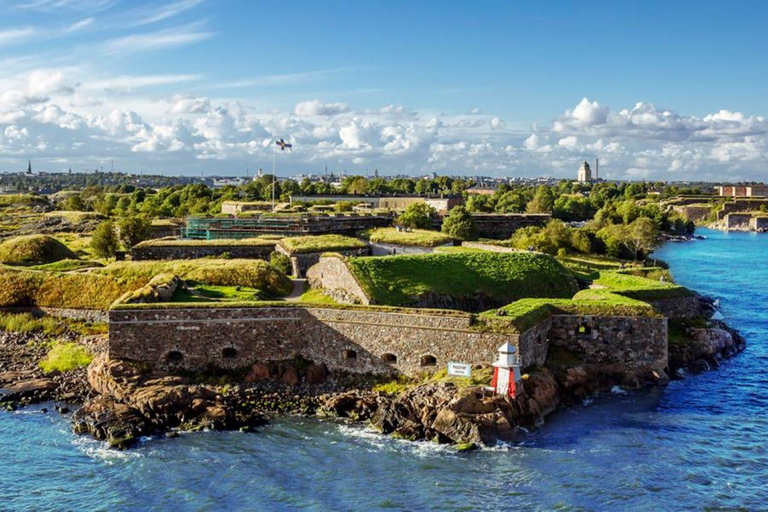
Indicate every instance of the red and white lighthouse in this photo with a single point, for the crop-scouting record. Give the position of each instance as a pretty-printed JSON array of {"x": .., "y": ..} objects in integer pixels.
[{"x": 506, "y": 371}]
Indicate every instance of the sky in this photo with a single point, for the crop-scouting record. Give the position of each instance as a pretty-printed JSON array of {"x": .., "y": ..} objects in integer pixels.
[{"x": 656, "y": 90}]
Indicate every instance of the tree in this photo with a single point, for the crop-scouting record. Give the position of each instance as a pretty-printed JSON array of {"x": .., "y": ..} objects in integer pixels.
[
  {"x": 543, "y": 201},
  {"x": 104, "y": 242},
  {"x": 133, "y": 230},
  {"x": 417, "y": 216},
  {"x": 459, "y": 224},
  {"x": 641, "y": 236}
]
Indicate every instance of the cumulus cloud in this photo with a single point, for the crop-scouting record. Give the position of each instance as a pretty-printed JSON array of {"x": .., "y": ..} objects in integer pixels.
[
  {"x": 48, "y": 115},
  {"x": 318, "y": 108}
]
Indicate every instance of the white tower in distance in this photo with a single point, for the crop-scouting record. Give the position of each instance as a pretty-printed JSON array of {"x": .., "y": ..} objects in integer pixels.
[{"x": 585, "y": 173}]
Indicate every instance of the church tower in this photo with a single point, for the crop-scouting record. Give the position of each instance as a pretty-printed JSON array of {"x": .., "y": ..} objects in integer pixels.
[{"x": 585, "y": 173}]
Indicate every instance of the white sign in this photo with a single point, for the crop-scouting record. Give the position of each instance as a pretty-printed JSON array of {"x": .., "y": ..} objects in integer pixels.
[{"x": 459, "y": 369}]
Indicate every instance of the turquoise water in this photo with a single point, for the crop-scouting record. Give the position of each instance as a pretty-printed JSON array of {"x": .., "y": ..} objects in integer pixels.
[{"x": 698, "y": 443}]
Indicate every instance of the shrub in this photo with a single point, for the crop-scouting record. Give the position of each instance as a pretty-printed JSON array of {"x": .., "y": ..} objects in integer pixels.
[
  {"x": 26, "y": 323},
  {"x": 459, "y": 224},
  {"x": 34, "y": 249},
  {"x": 281, "y": 262},
  {"x": 104, "y": 242},
  {"x": 65, "y": 357},
  {"x": 417, "y": 216},
  {"x": 133, "y": 230}
]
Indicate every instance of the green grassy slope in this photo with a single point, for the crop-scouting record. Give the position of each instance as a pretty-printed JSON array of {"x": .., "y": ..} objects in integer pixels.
[{"x": 505, "y": 277}]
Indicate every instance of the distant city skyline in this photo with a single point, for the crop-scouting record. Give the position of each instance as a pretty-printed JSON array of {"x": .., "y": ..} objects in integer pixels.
[{"x": 656, "y": 91}]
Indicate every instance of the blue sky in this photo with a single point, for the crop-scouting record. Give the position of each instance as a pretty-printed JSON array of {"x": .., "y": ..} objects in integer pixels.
[{"x": 667, "y": 90}]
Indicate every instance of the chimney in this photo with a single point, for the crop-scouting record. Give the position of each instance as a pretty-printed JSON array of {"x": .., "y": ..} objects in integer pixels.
[{"x": 597, "y": 163}]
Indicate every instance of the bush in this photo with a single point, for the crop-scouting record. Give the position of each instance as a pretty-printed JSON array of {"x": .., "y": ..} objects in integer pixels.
[
  {"x": 104, "y": 242},
  {"x": 281, "y": 262},
  {"x": 65, "y": 357},
  {"x": 417, "y": 216},
  {"x": 133, "y": 230},
  {"x": 34, "y": 249},
  {"x": 460, "y": 225},
  {"x": 27, "y": 323}
]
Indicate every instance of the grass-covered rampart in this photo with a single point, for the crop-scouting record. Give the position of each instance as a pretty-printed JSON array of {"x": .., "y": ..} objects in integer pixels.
[
  {"x": 99, "y": 288},
  {"x": 504, "y": 277},
  {"x": 321, "y": 243},
  {"x": 414, "y": 238},
  {"x": 34, "y": 250}
]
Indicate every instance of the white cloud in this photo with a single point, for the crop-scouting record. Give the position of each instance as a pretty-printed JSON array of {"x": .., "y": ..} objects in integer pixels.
[
  {"x": 15, "y": 35},
  {"x": 168, "y": 11},
  {"x": 318, "y": 108},
  {"x": 158, "y": 40}
]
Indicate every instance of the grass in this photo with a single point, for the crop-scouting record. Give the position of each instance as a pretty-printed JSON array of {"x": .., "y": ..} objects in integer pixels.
[
  {"x": 457, "y": 249},
  {"x": 321, "y": 243},
  {"x": 48, "y": 325},
  {"x": 523, "y": 314},
  {"x": 75, "y": 217},
  {"x": 34, "y": 249},
  {"x": 21, "y": 200},
  {"x": 67, "y": 265},
  {"x": 640, "y": 288},
  {"x": 416, "y": 238},
  {"x": 175, "y": 242},
  {"x": 65, "y": 357},
  {"x": 316, "y": 296},
  {"x": 236, "y": 272},
  {"x": 26, "y": 323},
  {"x": 208, "y": 293},
  {"x": 99, "y": 288},
  {"x": 504, "y": 277}
]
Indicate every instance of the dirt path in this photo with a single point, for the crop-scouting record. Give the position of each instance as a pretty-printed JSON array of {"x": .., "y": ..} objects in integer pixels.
[{"x": 299, "y": 287}]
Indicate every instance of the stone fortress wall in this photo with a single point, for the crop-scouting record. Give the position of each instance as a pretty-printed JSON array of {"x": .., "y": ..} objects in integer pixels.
[
  {"x": 354, "y": 340},
  {"x": 187, "y": 252},
  {"x": 373, "y": 341}
]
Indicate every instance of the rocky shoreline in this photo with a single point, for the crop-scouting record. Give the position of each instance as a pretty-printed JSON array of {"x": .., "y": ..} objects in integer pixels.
[{"x": 119, "y": 402}]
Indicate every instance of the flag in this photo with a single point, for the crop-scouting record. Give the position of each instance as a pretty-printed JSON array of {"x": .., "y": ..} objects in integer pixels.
[{"x": 283, "y": 145}]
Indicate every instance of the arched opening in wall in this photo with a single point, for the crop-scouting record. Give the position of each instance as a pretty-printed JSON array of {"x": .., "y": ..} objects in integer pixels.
[
  {"x": 174, "y": 357},
  {"x": 349, "y": 354},
  {"x": 229, "y": 353},
  {"x": 428, "y": 360},
  {"x": 389, "y": 358},
  {"x": 584, "y": 330}
]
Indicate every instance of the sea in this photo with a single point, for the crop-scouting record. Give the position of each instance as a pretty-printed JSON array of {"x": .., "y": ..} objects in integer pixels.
[{"x": 696, "y": 444}]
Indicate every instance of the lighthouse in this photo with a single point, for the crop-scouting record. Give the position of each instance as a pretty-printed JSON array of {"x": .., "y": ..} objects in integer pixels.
[{"x": 506, "y": 371}]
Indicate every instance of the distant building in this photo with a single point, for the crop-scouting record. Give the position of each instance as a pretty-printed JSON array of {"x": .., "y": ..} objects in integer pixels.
[
  {"x": 585, "y": 173},
  {"x": 743, "y": 190}
]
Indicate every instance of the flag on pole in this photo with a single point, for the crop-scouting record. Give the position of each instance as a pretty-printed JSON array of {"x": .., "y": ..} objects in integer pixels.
[{"x": 283, "y": 145}]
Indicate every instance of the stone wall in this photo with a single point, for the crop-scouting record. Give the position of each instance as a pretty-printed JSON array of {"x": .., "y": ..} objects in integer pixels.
[
  {"x": 632, "y": 341},
  {"x": 737, "y": 220},
  {"x": 304, "y": 261},
  {"x": 379, "y": 249},
  {"x": 354, "y": 340},
  {"x": 678, "y": 308},
  {"x": 534, "y": 343},
  {"x": 333, "y": 274},
  {"x": 759, "y": 224},
  {"x": 191, "y": 252}
]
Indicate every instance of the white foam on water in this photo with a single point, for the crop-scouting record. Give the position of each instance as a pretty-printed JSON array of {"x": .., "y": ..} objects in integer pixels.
[
  {"x": 617, "y": 390},
  {"x": 101, "y": 450}
]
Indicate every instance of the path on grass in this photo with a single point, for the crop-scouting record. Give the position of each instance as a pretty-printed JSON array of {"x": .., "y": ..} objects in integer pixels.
[{"x": 299, "y": 286}]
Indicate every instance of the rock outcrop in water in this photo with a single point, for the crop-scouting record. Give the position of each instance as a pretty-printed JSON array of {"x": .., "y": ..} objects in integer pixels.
[{"x": 132, "y": 405}]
